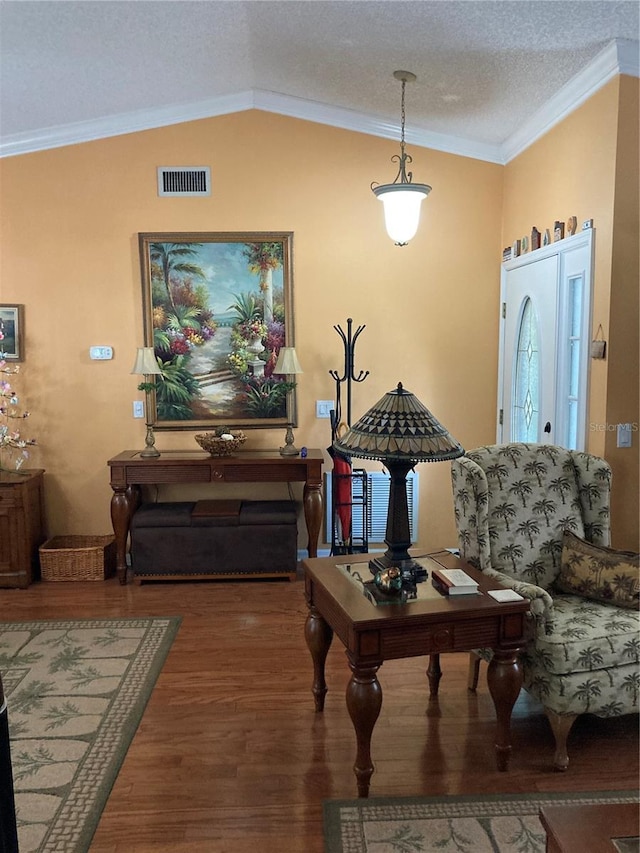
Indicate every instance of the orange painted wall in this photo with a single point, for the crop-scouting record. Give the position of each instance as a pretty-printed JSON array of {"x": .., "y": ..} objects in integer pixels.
[
  {"x": 623, "y": 386},
  {"x": 587, "y": 167},
  {"x": 70, "y": 219}
]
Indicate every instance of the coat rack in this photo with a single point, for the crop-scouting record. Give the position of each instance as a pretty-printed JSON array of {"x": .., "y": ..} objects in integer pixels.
[
  {"x": 349, "y": 342},
  {"x": 349, "y": 486}
]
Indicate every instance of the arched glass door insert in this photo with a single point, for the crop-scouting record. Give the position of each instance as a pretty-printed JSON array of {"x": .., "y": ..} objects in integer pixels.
[{"x": 525, "y": 412}]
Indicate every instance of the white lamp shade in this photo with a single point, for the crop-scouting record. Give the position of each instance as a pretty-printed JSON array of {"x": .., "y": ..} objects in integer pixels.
[
  {"x": 402, "y": 209},
  {"x": 146, "y": 362},
  {"x": 287, "y": 361}
]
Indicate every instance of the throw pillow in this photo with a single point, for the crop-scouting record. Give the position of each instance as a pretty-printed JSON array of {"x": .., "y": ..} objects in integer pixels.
[{"x": 598, "y": 573}]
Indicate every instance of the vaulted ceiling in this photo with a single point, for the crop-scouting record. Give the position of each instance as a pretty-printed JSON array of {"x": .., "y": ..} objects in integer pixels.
[{"x": 491, "y": 76}]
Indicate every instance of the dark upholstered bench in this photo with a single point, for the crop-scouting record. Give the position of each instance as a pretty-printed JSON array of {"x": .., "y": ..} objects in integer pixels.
[{"x": 214, "y": 539}]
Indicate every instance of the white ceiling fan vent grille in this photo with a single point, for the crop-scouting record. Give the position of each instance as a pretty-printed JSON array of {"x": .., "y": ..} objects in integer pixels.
[{"x": 184, "y": 180}]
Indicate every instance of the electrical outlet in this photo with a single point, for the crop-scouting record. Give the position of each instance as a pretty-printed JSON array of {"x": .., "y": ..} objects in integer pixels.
[
  {"x": 323, "y": 408},
  {"x": 138, "y": 409}
]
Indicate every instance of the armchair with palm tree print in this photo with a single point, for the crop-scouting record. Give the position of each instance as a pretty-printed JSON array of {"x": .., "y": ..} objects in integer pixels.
[{"x": 513, "y": 503}]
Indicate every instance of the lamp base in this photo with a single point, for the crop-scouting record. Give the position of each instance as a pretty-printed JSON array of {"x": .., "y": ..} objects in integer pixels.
[
  {"x": 150, "y": 443},
  {"x": 289, "y": 448},
  {"x": 149, "y": 452}
]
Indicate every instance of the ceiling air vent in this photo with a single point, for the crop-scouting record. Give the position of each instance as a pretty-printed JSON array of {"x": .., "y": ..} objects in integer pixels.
[{"x": 184, "y": 180}]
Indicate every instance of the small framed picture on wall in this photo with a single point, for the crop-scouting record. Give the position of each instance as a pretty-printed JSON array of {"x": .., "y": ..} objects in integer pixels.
[{"x": 12, "y": 332}]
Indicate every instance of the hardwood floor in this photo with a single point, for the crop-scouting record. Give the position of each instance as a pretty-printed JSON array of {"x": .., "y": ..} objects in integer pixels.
[{"x": 230, "y": 756}]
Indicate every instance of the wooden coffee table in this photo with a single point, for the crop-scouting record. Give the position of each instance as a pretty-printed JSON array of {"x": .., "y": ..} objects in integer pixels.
[
  {"x": 589, "y": 827},
  {"x": 374, "y": 633}
]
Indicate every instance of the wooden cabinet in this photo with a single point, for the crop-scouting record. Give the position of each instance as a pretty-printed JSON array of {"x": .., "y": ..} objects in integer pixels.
[{"x": 22, "y": 527}]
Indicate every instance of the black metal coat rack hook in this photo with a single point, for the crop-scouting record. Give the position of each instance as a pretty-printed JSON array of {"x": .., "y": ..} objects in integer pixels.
[{"x": 348, "y": 376}]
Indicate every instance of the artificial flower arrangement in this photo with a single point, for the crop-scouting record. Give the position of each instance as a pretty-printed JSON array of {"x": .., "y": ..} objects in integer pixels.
[{"x": 13, "y": 448}]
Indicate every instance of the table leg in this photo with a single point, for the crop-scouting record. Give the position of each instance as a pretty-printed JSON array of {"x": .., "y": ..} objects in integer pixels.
[
  {"x": 318, "y": 636},
  {"x": 504, "y": 678},
  {"x": 123, "y": 504},
  {"x": 364, "y": 700},
  {"x": 312, "y": 501},
  {"x": 434, "y": 674}
]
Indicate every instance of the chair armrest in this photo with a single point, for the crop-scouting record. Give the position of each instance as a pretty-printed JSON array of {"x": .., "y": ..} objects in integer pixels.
[{"x": 541, "y": 602}]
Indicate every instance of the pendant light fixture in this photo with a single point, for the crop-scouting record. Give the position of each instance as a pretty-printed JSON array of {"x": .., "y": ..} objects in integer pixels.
[{"x": 401, "y": 199}]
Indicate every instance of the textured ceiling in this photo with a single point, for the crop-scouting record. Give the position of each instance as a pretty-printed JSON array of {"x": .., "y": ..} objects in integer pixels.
[{"x": 483, "y": 67}]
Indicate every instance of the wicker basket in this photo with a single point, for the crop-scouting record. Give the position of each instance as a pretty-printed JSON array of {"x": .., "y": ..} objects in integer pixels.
[
  {"x": 78, "y": 558},
  {"x": 217, "y": 446}
]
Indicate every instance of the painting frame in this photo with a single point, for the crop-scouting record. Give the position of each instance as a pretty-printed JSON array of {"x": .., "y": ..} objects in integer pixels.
[
  {"x": 12, "y": 327},
  {"x": 217, "y": 307}
]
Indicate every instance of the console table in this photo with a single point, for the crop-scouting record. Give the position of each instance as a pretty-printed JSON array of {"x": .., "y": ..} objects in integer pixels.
[{"x": 130, "y": 471}]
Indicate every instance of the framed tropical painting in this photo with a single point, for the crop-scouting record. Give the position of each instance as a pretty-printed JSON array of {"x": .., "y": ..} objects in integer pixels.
[
  {"x": 217, "y": 309},
  {"x": 11, "y": 332}
]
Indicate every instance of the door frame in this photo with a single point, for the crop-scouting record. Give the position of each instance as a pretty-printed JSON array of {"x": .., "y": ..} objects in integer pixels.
[{"x": 562, "y": 248}]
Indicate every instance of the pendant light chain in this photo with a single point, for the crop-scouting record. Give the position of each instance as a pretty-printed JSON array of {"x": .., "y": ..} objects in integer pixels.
[{"x": 402, "y": 113}]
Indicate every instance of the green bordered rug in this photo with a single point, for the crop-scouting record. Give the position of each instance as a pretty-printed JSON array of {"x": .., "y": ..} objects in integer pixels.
[
  {"x": 76, "y": 691},
  {"x": 491, "y": 824}
]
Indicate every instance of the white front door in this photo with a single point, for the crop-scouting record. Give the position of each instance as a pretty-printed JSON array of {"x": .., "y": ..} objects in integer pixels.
[
  {"x": 530, "y": 323},
  {"x": 544, "y": 344}
]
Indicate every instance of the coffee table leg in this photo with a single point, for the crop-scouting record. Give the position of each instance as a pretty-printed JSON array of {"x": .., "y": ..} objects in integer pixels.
[
  {"x": 364, "y": 700},
  {"x": 434, "y": 674},
  {"x": 319, "y": 636},
  {"x": 504, "y": 678}
]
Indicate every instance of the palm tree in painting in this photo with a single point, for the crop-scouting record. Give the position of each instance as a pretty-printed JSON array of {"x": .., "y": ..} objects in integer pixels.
[
  {"x": 263, "y": 259},
  {"x": 170, "y": 257}
]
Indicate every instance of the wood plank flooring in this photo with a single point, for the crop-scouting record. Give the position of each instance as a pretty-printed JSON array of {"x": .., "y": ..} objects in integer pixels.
[{"x": 230, "y": 756}]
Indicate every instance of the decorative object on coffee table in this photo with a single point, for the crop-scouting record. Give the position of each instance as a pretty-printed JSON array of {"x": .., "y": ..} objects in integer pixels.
[
  {"x": 222, "y": 442},
  {"x": 399, "y": 431},
  {"x": 288, "y": 365},
  {"x": 147, "y": 365}
]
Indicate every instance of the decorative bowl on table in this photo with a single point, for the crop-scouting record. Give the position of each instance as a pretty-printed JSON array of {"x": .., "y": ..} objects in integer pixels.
[{"x": 221, "y": 444}]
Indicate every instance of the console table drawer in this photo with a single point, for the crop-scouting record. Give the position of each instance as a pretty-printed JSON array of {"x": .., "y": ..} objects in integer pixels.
[{"x": 167, "y": 474}]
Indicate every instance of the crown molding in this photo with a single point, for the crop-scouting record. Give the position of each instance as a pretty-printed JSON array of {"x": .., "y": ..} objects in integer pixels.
[
  {"x": 619, "y": 57},
  {"x": 363, "y": 123},
  {"x": 121, "y": 123}
]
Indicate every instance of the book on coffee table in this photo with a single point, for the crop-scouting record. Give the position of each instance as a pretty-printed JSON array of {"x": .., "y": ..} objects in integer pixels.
[{"x": 453, "y": 582}]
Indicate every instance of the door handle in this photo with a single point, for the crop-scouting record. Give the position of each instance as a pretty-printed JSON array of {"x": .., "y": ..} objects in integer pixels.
[{"x": 547, "y": 426}]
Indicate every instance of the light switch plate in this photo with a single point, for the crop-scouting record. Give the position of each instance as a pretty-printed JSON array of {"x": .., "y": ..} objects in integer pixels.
[
  {"x": 624, "y": 435},
  {"x": 100, "y": 353},
  {"x": 323, "y": 408}
]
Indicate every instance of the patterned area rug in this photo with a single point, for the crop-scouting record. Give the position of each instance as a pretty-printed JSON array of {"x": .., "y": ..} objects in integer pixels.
[
  {"x": 491, "y": 824},
  {"x": 76, "y": 691}
]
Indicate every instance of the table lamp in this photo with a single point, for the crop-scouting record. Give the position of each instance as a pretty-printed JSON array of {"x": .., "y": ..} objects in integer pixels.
[
  {"x": 147, "y": 365},
  {"x": 399, "y": 431},
  {"x": 288, "y": 364}
]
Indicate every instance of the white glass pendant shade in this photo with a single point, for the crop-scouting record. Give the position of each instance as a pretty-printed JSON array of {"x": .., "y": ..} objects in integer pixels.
[{"x": 402, "y": 209}]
